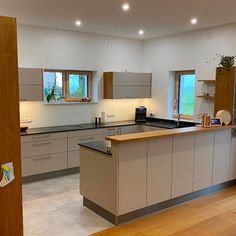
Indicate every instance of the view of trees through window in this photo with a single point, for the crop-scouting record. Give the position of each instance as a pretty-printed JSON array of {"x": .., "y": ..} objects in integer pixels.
[
  {"x": 54, "y": 80},
  {"x": 186, "y": 93},
  {"x": 78, "y": 86},
  {"x": 68, "y": 85}
]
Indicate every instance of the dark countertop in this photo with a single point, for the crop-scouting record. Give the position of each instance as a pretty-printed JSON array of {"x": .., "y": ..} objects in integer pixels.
[
  {"x": 100, "y": 146},
  {"x": 54, "y": 129},
  {"x": 162, "y": 123}
]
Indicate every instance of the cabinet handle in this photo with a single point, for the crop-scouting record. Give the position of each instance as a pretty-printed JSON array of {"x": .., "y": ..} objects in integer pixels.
[
  {"x": 112, "y": 129},
  {"x": 86, "y": 139},
  {"x": 42, "y": 158},
  {"x": 41, "y": 144},
  {"x": 42, "y": 137}
]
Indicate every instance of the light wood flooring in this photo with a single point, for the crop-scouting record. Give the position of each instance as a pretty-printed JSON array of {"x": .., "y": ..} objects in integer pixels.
[{"x": 208, "y": 216}]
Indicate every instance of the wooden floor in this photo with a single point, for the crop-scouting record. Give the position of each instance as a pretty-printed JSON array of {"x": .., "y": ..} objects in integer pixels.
[{"x": 211, "y": 215}]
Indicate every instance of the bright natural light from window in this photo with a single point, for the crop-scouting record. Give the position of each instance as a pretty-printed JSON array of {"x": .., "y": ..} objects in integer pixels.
[
  {"x": 186, "y": 94},
  {"x": 54, "y": 80},
  {"x": 78, "y": 86}
]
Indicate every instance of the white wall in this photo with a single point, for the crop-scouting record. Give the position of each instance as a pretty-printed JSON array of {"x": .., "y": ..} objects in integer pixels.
[
  {"x": 185, "y": 52},
  {"x": 55, "y": 49},
  {"x": 47, "y": 48}
]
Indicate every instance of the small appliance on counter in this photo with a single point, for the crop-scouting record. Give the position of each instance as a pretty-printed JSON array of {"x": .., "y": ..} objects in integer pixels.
[{"x": 141, "y": 114}]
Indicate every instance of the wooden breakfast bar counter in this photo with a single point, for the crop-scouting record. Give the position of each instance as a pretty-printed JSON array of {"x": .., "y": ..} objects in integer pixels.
[{"x": 148, "y": 172}]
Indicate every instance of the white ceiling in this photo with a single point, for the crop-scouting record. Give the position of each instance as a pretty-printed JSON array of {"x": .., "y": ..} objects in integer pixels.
[{"x": 156, "y": 17}]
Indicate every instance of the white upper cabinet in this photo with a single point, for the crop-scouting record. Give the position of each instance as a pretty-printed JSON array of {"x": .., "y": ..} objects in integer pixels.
[
  {"x": 30, "y": 84},
  {"x": 118, "y": 85}
]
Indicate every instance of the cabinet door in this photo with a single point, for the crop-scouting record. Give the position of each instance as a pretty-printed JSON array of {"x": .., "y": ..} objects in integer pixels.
[
  {"x": 30, "y": 92},
  {"x": 130, "y": 129},
  {"x": 73, "y": 159},
  {"x": 30, "y": 76},
  {"x": 182, "y": 169},
  {"x": 224, "y": 89},
  {"x": 30, "y": 84},
  {"x": 120, "y": 92},
  {"x": 111, "y": 131},
  {"x": 221, "y": 165},
  {"x": 132, "y": 176},
  {"x": 203, "y": 163},
  {"x": 159, "y": 170},
  {"x": 127, "y": 78},
  {"x": 233, "y": 159},
  {"x": 43, "y": 164},
  {"x": 151, "y": 128}
]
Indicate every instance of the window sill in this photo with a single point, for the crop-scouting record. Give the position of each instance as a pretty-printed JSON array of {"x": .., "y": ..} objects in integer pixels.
[{"x": 68, "y": 103}]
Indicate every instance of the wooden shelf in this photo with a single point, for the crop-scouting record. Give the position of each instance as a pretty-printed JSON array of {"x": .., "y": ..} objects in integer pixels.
[
  {"x": 206, "y": 96},
  {"x": 207, "y": 81}
]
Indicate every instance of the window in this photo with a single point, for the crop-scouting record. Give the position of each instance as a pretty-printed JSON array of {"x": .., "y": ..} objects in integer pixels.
[
  {"x": 184, "y": 93},
  {"x": 68, "y": 86}
]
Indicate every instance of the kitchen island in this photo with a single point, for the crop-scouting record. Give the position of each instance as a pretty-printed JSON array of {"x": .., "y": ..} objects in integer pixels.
[{"x": 148, "y": 172}]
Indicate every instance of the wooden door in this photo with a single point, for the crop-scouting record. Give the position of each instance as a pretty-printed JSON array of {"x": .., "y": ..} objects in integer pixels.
[
  {"x": 11, "y": 220},
  {"x": 224, "y": 89}
]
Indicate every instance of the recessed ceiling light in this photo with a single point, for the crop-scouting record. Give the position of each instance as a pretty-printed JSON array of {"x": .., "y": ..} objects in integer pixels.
[
  {"x": 141, "y": 32},
  {"x": 125, "y": 7},
  {"x": 78, "y": 23},
  {"x": 194, "y": 21}
]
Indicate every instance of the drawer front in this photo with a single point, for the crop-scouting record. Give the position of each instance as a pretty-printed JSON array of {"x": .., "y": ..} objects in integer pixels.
[
  {"x": 151, "y": 128},
  {"x": 130, "y": 129},
  {"x": 43, "y": 164},
  {"x": 42, "y": 137},
  {"x": 43, "y": 147},
  {"x": 80, "y": 133},
  {"x": 111, "y": 131},
  {"x": 73, "y": 159},
  {"x": 73, "y": 142}
]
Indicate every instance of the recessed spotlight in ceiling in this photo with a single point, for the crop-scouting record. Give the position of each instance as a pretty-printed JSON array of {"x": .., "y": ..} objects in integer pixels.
[
  {"x": 125, "y": 7},
  {"x": 194, "y": 21},
  {"x": 78, "y": 23},
  {"x": 141, "y": 32}
]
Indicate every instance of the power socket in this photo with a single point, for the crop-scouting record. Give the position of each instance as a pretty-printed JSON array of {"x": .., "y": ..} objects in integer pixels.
[
  {"x": 110, "y": 115},
  {"x": 26, "y": 120}
]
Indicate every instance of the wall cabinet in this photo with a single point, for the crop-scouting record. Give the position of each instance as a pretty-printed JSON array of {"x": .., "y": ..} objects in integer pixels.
[
  {"x": 225, "y": 86},
  {"x": 159, "y": 170},
  {"x": 30, "y": 84},
  {"x": 119, "y": 85},
  {"x": 182, "y": 169}
]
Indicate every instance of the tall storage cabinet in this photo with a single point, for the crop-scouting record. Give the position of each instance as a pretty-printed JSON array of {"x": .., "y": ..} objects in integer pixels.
[{"x": 225, "y": 83}]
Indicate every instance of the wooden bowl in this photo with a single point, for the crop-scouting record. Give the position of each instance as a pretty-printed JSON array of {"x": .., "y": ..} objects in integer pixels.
[{"x": 23, "y": 128}]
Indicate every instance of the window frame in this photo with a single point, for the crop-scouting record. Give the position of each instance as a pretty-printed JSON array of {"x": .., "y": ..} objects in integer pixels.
[
  {"x": 89, "y": 85},
  {"x": 177, "y": 92},
  {"x": 65, "y": 82}
]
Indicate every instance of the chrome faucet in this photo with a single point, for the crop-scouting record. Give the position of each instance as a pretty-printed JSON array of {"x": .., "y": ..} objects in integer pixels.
[{"x": 178, "y": 119}]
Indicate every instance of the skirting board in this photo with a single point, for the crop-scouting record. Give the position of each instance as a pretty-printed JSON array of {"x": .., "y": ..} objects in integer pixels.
[
  {"x": 50, "y": 175},
  {"x": 116, "y": 220}
]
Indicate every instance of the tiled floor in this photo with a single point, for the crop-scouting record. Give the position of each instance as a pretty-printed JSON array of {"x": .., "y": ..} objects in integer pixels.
[{"x": 54, "y": 207}]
